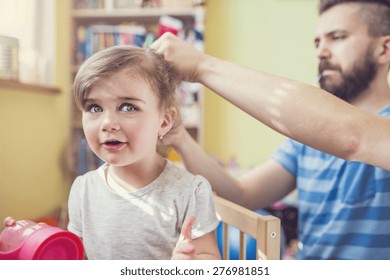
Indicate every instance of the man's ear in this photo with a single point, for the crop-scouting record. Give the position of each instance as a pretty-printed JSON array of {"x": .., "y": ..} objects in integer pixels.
[
  {"x": 384, "y": 50},
  {"x": 168, "y": 121}
]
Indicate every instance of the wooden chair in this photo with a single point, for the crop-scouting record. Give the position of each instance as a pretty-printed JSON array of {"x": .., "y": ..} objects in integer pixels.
[{"x": 264, "y": 229}]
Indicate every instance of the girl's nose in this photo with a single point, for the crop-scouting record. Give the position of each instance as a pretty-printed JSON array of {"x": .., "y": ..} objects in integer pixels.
[{"x": 110, "y": 122}]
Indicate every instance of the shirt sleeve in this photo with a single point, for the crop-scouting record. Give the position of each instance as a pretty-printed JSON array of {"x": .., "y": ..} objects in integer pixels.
[
  {"x": 287, "y": 156},
  {"x": 74, "y": 209},
  {"x": 201, "y": 205}
]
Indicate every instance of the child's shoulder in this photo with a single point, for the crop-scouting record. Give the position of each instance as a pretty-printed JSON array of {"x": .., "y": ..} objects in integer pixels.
[
  {"x": 92, "y": 175},
  {"x": 180, "y": 176}
]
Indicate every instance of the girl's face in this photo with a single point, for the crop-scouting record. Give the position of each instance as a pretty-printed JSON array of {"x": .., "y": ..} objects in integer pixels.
[{"x": 122, "y": 120}]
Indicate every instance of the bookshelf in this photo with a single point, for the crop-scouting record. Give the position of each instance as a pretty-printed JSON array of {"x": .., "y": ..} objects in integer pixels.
[{"x": 97, "y": 24}]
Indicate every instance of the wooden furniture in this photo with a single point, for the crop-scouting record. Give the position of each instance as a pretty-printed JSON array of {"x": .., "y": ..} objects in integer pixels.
[
  {"x": 265, "y": 229},
  {"x": 37, "y": 88}
]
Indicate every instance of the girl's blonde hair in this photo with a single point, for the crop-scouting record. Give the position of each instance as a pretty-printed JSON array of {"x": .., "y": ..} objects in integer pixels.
[{"x": 140, "y": 62}]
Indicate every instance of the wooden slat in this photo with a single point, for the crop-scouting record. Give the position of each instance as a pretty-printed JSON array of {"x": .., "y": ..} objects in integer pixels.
[
  {"x": 241, "y": 217},
  {"x": 265, "y": 229},
  {"x": 242, "y": 255},
  {"x": 225, "y": 238}
]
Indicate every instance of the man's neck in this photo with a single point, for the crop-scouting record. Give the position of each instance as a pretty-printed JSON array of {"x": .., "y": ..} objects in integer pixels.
[{"x": 374, "y": 99}]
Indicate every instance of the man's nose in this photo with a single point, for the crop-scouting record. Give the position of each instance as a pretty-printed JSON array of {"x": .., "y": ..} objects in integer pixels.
[{"x": 323, "y": 51}]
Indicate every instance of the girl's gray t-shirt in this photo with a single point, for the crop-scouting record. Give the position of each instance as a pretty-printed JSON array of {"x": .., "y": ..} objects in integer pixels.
[{"x": 139, "y": 225}]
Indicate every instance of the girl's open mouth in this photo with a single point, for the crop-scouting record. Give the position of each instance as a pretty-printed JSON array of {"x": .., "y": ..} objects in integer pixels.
[{"x": 113, "y": 145}]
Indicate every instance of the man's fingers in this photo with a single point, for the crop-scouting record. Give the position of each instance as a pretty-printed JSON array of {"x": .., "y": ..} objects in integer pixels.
[{"x": 157, "y": 44}]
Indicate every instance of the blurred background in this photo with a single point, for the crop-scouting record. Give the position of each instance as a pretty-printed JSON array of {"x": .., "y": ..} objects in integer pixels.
[{"x": 42, "y": 43}]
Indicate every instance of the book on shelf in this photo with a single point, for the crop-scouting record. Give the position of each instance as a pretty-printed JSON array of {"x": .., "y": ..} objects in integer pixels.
[
  {"x": 94, "y": 38},
  {"x": 89, "y": 4},
  {"x": 130, "y": 4},
  {"x": 87, "y": 160}
]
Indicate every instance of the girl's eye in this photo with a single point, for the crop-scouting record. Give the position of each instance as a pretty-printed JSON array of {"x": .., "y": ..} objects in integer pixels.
[
  {"x": 93, "y": 108},
  {"x": 126, "y": 107}
]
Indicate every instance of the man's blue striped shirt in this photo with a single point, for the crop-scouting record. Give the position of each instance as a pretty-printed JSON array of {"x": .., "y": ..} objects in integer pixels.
[{"x": 343, "y": 206}]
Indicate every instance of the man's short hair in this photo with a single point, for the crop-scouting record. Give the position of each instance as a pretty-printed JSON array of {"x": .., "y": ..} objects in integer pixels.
[
  {"x": 375, "y": 12},
  {"x": 327, "y": 4}
]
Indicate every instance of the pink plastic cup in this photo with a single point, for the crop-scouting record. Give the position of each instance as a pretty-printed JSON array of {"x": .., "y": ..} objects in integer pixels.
[{"x": 26, "y": 240}]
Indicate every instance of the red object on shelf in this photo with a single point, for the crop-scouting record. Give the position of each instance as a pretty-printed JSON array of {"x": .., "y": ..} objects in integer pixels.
[{"x": 169, "y": 24}]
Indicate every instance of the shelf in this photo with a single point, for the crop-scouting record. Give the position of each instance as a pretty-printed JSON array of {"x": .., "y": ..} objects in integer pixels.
[
  {"x": 11, "y": 84},
  {"x": 141, "y": 14}
]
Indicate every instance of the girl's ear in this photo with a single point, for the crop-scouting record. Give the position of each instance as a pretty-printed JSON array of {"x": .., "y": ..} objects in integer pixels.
[
  {"x": 384, "y": 50},
  {"x": 168, "y": 121}
]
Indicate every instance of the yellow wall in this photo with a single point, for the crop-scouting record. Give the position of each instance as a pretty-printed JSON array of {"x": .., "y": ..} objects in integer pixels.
[
  {"x": 33, "y": 139},
  {"x": 268, "y": 35}
]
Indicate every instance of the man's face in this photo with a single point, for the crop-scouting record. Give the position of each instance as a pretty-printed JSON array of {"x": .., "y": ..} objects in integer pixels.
[
  {"x": 344, "y": 52},
  {"x": 353, "y": 82}
]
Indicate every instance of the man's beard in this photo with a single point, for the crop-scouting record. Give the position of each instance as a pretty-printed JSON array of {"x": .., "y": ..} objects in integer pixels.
[{"x": 354, "y": 82}]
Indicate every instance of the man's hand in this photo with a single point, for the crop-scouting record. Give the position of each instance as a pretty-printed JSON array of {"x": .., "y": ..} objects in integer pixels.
[
  {"x": 184, "y": 249},
  {"x": 175, "y": 136},
  {"x": 181, "y": 55}
]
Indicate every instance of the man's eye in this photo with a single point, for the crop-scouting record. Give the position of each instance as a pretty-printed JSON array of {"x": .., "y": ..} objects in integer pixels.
[
  {"x": 339, "y": 37},
  {"x": 128, "y": 107},
  {"x": 94, "y": 108}
]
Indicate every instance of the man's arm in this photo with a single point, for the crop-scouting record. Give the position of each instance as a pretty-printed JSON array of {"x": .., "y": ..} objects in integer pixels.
[
  {"x": 297, "y": 110},
  {"x": 258, "y": 188}
]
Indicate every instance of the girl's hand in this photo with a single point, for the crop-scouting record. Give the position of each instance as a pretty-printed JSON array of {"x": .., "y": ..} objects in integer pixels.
[
  {"x": 185, "y": 249},
  {"x": 9, "y": 221}
]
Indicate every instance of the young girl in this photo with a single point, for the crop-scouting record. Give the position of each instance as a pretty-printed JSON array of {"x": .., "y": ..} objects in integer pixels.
[{"x": 138, "y": 204}]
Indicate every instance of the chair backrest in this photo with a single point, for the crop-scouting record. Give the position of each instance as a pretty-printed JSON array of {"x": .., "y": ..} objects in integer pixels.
[{"x": 264, "y": 229}]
